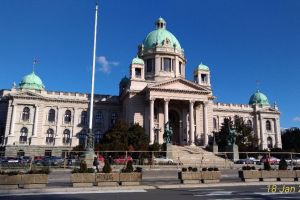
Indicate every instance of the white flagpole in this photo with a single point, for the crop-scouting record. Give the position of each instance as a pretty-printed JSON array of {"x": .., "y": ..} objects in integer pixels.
[{"x": 91, "y": 142}]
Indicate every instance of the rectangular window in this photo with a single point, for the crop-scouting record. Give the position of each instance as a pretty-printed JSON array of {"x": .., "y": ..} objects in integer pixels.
[
  {"x": 173, "y": 64},
  {"x": 180, "y": 63},
  {"x": 203, "y": 78},
  {"x": 150, "y": 65},
  {"x": 138, "y": 72},
  {"x": 167, "y": 64},
  {"x": 48, "y": 152}
]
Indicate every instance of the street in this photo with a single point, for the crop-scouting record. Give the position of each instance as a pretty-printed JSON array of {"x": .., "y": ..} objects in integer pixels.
[{"x": 233, "y": 193}]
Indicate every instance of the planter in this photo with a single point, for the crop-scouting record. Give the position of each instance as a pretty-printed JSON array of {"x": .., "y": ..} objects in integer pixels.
[
  {"x": 211, "y": 176},
  {"x": 190, "y": 177},
  {"x": 286, "y": 175},
  {"x": 83, "y": 179},
  {"x": 297, "y": 175},
  {"x": 250, "y": 175},
  {"x": 271, "y": 175},
  {"x": 107, "y": 179},
  {"x": 10, "y": 182},
  {"x": 133, "y": 178},
  {"x": 34, "y": 180}
]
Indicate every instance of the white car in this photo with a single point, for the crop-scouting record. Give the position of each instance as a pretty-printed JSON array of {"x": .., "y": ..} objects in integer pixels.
[{"x": 163, "y": 160}]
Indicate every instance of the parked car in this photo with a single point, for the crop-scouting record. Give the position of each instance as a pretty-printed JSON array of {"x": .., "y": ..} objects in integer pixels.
[
  {"x": 272, "y": 160},
  {"x": 38, "y": 160},
  {"x": 11, "y": 160},
  {"x": 25, "y": 159},
  {"x": 53, "y": 161},
  {"x": 122, "y": 159},
  {"x": 245, "y": 161},
  {"x": 163, "y": 160}
]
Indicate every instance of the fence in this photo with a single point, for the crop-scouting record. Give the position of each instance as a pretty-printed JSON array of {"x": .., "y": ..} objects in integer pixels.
[{"x": 152, "y": 159}]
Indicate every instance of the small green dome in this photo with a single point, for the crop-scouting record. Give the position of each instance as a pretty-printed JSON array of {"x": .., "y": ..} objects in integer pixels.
[
  {"x": 161, "y": 37},
  {"x": 202, "y": 67},
  {"x": 31, "y": 81},
  {"x": 259, "y": 98},
  {"x": 137, "y": 60},
  {"x": 124, "y": 80}
]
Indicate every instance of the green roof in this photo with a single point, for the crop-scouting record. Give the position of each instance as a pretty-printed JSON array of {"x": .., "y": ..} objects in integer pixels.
[
  {"x": 161, "y": 37},
  {"x": 31, "y": 81},
  {"x": 202, "y": 67},
  {"x": 259, "y": 98},
  {"x": 137, "y": 60}
]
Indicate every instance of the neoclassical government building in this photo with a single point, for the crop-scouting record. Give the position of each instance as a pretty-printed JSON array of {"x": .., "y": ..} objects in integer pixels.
[{"x": 35, "y": 121}]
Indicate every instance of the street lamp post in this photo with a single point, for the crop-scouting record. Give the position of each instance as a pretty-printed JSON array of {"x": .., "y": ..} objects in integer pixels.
[{"x": 89, "y": 148}]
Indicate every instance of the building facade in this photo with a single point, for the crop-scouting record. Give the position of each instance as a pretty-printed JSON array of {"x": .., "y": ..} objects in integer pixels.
[{"x": 34, "y": 121}]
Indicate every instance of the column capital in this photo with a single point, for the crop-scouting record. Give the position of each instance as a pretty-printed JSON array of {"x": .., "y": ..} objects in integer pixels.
[
  {"x": 152, "y": 98},
  {"x": 192, "y": 101},
  {"x": 166, "y": 100}
]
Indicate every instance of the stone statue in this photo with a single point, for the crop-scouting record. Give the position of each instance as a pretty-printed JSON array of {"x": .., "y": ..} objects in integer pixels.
[
  {"x": 167, "y": 133},
  {"x": 231, "y": 136}
]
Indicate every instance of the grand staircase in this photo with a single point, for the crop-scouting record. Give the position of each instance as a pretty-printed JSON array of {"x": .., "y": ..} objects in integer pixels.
[{"x": 196, "y": 156}]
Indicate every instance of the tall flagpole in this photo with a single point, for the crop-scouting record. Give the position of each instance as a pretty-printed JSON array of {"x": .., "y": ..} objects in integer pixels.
[{"x": 90, "y": 142}]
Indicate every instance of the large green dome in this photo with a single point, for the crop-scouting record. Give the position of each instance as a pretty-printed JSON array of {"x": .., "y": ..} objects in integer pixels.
[
  {"x": 31, "y": 81},
  {"x": 259, "y": 98},
  {"x": 161, "y": 37}
]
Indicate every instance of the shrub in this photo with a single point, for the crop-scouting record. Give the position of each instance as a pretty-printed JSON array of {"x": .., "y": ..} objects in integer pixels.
[
  {"x": 190, "y": 169},
  {"x": 184, "y": 169},
  {"x": 138, "y": 169},
  {"x": 106, "y": 168},
  {"x": 253, "y": 168},
  {"x": 283, "y": 164},
  {"x": 267, "y": 166},
  {"x": 129, "y": 168},
  {"x": 204, "y": 169},
  {"x": 194, "y": 169},
  {"x": 296, "y": 168},
  {"x": 216, "y": 169},
  {"x": 210, "y": 169},
  {"x": 83, "y": 166},
  {"x": 45, "y": 170}
]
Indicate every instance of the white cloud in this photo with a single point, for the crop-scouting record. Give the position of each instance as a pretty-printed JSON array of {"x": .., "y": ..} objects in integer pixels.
[
  {"x": 105, "y": 65},
  {"x": 296, "y": 119}
]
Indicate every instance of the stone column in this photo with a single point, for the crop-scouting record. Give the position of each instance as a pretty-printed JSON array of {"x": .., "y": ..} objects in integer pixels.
[
  {"x": 36, "y": 117},
  {"x": 166, "y": 110},
  {"x": 277, "y": 134},
  {"x": 12, "y": 122},
  {"x": 205, "y": 124},
  {"x": 151, "y": 127},
  {"x": 262, "y": 133},
  {"x": 192, "y": 128}
]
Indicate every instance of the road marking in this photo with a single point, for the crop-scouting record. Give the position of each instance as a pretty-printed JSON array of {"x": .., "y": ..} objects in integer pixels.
[
  {"x": 196, "y": 190},
  {"x": 66, "y": 193},
  {"x": 216, "y": 193}
]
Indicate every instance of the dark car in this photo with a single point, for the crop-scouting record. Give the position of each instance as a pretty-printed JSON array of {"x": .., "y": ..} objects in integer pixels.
[
  {"x": 25, "y": 159},
  {"x": 53, "y": 161},
  {"x": 245, "y": 161}
]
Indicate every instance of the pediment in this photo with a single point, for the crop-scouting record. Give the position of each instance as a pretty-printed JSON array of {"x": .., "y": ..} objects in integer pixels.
[{"x": 180, "y": 85}]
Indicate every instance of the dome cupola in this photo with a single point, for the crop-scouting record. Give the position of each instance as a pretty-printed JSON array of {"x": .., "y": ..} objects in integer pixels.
[
  {"x": 32, "y": 82},
  {"x": 259, "y": 98},
  {"x": 160, "y": 37}
]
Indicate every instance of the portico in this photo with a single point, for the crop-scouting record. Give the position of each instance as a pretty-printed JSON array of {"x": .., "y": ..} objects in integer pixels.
[{"x": 181, "y": 109}]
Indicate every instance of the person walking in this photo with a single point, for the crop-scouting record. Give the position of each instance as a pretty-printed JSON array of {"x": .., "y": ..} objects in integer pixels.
[{"x": 96, "y": 164}]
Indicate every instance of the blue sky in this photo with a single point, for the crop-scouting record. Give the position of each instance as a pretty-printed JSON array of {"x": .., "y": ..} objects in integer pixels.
[{"x": 241, "y": 42}]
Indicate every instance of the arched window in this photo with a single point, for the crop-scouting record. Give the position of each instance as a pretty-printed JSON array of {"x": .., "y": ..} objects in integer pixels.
[
  {"x": 268, "y": 125},
  {"x": 98, "y": 137},
  {"x": 249, "y": 123},
  {"x": 66, "y": 138},
  {"x": 26, "y": 114},
  {"x": 84, "y": 118},
  {"x": 68, "y": 116},
  {"x": 23, "y": 135},
  {"x": 215, "y": 123},
  {"x": 50, "y": 136},
  {"x": 82, "y": 137},
  {"x": 270, "y": 142},
  {"x": 99, "y": 117},
  {"x": 51, "y": 115}
]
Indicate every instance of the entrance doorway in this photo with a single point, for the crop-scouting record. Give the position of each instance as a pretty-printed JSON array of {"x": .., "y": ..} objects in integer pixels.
[{"x": 174, "y": 124}]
